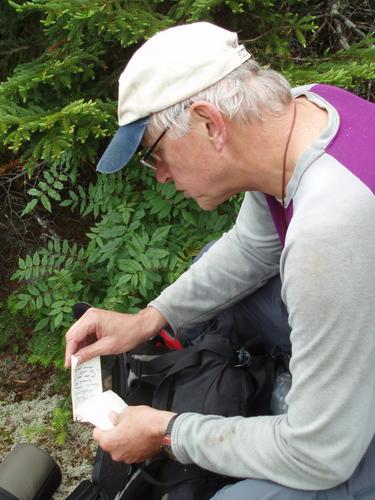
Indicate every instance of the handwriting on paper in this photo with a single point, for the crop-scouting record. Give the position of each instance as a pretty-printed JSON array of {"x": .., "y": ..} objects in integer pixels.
[
  {"x": 88, "y": 380},
  {"x": 90, "y": 403}
]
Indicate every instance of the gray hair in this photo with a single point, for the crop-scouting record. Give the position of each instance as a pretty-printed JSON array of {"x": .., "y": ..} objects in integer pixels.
[{"x": 243, "y": 95}]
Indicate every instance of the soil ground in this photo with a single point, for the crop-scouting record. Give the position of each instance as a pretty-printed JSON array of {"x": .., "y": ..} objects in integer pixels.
[{"x": 28, "y": 396}]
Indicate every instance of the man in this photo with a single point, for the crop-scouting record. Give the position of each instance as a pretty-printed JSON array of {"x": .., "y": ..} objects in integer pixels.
[{"x": 216, "y": 124}]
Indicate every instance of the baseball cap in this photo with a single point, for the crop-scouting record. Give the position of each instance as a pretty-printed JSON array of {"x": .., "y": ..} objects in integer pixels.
[{"x": 173, "y": 65}]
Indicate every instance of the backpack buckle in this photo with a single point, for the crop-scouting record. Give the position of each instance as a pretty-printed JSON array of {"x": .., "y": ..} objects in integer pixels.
[{"x": 243, "y": 358}]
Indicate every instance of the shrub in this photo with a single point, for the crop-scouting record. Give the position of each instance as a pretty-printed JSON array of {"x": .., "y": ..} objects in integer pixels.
[{"x": 61, "y": 61}]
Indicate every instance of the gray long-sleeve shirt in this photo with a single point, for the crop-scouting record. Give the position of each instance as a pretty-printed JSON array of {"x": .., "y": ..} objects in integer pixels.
[{"x": 327, "y": 267}]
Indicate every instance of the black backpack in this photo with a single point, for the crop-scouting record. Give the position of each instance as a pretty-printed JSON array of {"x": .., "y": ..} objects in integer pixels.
[{"x": 214, "y": 375}]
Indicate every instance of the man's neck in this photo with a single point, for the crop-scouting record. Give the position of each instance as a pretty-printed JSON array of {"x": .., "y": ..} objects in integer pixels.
[{"x": 259, "y": 147}]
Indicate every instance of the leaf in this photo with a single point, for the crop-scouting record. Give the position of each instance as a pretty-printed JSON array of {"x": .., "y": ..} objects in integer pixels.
[
  {"x": 34, "y": 192},
  {"x": 160, "y": 234},
  {"x": 73, "y": 195},
  {"x": 48, "y": 177},
  {"x": 300, "y": 36},
  {"x": 21, "y": 305},
  {"x": 123, "y": 280},
  {"x": 29, "y": 207},
  {"x": 65, "y": 247},
  {"x": 157, "y": 253},
  {"x": 58, "y": 303},
  {"x": 47, "y": 300},
  {"x": 113, "y": 232},
  {"x": 145, "y": 260},
  {"x": 46, "y": 203},
  {"x": 168, "y": 190},
  {"x": 43, "y": 286},
  {"x": 58, "y": 185},
  {"x": 41, "y": 324},
  {"x": 36, "y": 259},
  {"x": 23, "y": 296},
  {"x": 129, "y": 265},
  {"x": 142, "y": 279},
  {"x": 33, "y": 290},
  {"x": 57, "y": 245},
  {"x": 58, "y": 319},
  {"x": 52, "y": 193},
  {"x": 66, "y": 203},
  {"x": 188, "y": 216}
]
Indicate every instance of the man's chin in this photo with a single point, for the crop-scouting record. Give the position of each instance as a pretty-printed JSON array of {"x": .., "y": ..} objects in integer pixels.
[{"x": 206, "y": 205}]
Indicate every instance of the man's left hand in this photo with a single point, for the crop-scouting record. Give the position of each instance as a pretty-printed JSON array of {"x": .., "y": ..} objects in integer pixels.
[{"x": 137, "y": 434}]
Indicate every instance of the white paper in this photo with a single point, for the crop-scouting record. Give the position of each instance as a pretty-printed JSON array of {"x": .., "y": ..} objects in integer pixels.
[
  {"x": 90, "y": 403},
  {"x": 96, "y": 410}
]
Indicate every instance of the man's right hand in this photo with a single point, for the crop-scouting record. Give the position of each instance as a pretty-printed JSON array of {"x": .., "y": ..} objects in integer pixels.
[{"x": 100, "y": 332}]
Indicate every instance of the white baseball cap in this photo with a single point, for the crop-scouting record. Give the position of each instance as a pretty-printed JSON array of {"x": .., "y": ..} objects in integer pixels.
[{"x": 173, "y": 65}]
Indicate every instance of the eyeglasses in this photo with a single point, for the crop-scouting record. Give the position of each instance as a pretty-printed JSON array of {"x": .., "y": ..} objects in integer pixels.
[{"x": 147, "y": 160}]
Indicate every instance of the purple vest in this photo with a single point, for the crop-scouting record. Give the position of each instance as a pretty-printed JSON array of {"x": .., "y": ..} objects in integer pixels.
[{"x": 353, "y": 145}]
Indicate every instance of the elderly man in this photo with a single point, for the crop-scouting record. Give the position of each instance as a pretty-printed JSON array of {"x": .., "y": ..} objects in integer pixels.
[{"x": 216, "y": 124}]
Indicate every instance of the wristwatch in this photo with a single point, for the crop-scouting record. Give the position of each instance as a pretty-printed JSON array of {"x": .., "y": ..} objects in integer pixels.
[{"x": 166, "y": 440}]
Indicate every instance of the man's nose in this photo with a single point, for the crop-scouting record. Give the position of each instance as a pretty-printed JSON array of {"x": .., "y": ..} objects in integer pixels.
[{"x": 162, "y": 173}]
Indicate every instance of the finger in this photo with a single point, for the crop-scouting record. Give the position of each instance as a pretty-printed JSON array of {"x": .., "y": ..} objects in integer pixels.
[
  {"x": 77, "y": 337},
  {"x": 74, "y": 347},
  {"x": 98, "y": 348},
  {"x": 71, "y": 348},
  {"x": 105, "y": 439},
  {"x": 74, "y": 337}
]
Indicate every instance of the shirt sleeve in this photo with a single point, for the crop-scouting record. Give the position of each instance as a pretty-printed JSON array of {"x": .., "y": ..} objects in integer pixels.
[
  {"x": 328, "y": 275},
  {"x": 240, "y": 262}
]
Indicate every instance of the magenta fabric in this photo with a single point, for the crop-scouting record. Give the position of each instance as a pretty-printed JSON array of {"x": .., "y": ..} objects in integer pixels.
[
  {"x": 275, "y": 209},
  {"x": 353, "y": 145}
]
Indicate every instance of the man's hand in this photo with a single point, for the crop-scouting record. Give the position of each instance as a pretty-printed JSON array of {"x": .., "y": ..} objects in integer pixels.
[
  {"x": 100, "y": 332},
  {"x": 137, "y": 435}
]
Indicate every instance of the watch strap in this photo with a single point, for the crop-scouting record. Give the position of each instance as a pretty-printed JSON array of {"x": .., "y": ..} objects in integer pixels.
[{"x": 166, "y": 440}]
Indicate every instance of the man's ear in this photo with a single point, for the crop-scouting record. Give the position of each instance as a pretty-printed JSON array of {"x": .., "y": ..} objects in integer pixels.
[{"x": 210, "y": 123}]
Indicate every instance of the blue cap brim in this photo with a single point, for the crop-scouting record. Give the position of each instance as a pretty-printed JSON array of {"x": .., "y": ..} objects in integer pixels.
[{"x": 122, "y": 147}]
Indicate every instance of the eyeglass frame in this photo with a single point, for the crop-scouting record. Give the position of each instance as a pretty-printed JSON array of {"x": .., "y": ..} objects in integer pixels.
[
  {"x": 143, "y": 159},
  {"x": 148, "y": 152}
]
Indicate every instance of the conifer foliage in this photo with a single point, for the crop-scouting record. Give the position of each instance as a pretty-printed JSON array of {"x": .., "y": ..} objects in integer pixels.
[{"x": 59, "y": 66}]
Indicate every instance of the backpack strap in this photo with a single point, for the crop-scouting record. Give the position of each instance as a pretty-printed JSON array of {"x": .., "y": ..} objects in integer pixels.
[
  {"x": 172, "y": 473},
  {"x": 190, "y": 356},
  {"x": 143, "y": 365}
]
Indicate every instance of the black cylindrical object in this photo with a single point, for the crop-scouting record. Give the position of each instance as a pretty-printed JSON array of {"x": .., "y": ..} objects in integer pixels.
[{"x": 28, "y": 473}]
